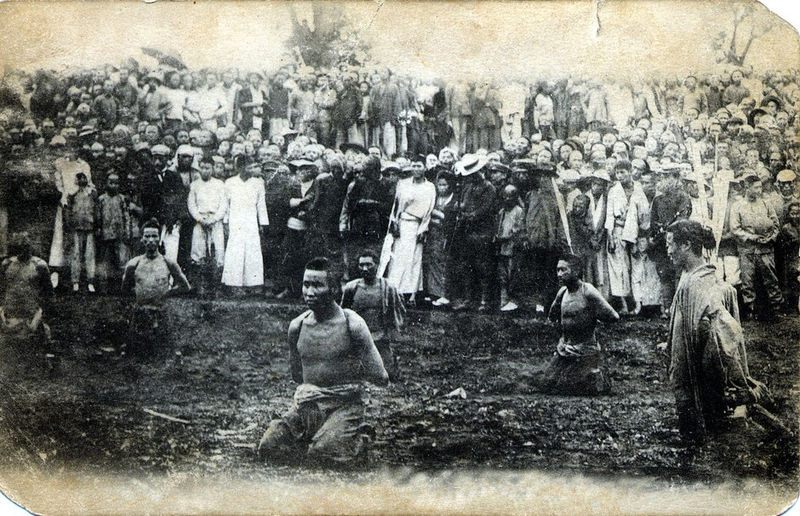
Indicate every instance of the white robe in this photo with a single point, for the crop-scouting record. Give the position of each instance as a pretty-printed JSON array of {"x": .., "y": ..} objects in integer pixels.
[
  {"x": 247, "y": 209},
  {"x": 65, "y": 177},
  {"x": 414, "y": 203},
  {"x": 625, "y": 219}
]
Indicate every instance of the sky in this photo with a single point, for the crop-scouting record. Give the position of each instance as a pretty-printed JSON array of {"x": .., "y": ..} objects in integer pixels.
[{"x": 636, "y": 38}]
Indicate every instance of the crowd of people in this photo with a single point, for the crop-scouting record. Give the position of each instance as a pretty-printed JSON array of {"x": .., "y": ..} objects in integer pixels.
[
  {"x": 468, "y": 192},
  {"x": 458, "y": 195}
]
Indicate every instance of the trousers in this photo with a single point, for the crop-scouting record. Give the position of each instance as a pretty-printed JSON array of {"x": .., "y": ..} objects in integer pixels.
[
  {"x": 82, "y": 254},
  {"x": 203, "y": 238},
  {"x": 759, "y": 266},
  {"x": 324, "y": 431}
]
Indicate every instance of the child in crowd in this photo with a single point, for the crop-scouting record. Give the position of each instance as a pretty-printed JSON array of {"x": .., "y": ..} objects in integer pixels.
[
  {"x": 510, "y": 225},
  {"x": 113, "y": 224},
  {"x": 80, "y": 223}
]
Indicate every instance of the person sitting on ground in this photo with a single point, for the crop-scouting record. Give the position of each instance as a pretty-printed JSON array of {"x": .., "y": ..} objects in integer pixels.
[
  {"x": 577, "y": 364},
  {"x": 148, "y": 277},
  {"x": 331, "y": 353},
  {"x": 378, "y": 302}
]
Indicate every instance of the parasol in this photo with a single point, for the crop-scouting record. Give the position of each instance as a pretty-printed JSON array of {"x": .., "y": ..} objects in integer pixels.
[{"x": 165, "y": 56}]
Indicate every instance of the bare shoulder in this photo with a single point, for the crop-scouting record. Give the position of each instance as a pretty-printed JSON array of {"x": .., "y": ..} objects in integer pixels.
[
  {"x": 355, "y": 321},
  {"x": 591, "y": 291},
  {"x": 294, "y": 326},
  {"x": 594, "y": 295},
  {"x": 133, "y": 262},
  {"x": 352, "y": 285}
]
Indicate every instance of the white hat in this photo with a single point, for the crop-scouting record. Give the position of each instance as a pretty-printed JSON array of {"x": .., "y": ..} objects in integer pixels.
[
  {"x": 471, "y": 163},
  {"x": 601, "y": 174},
  {"x": 185, "y": 150}
]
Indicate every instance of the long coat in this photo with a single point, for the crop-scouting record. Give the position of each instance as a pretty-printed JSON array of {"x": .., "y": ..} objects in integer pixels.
[{"x": 247, "y": 210}]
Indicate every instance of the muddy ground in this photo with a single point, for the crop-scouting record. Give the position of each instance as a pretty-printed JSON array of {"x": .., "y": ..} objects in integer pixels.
[{"x": 225, "y": 374}]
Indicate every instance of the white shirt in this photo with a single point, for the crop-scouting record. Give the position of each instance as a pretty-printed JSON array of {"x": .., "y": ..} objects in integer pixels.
[
  {"x": 177, "y": 99},
  {"x": 207, "y": 197}
]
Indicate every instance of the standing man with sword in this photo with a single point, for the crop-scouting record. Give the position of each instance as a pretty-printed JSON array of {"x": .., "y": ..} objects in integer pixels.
[
  {"x": 206, "y": 203},
  {"x": 545, "y": 237}
]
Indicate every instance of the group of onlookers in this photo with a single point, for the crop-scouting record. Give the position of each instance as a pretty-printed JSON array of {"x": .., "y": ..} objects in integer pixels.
[{"x": 468, "y": 193}]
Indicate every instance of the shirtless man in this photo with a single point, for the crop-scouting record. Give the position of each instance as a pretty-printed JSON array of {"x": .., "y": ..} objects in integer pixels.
[
  {"x": 26, "y": 290},
  {"x": 330, "y": 353},
  {"x": 377, "y": 301},
  {"x": 576, "y": 366},
  {"x": 148, "y": 277}
]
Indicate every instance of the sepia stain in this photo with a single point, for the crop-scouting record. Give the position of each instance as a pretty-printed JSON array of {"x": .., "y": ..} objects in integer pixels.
[{"x": 606, "y": 37}]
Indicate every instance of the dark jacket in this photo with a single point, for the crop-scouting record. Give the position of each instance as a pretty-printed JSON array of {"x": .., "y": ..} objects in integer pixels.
[
  {"x": 347, "y": 108},
  {"x": 478, "y": 208},
  {"x": 543, "y": 227}
]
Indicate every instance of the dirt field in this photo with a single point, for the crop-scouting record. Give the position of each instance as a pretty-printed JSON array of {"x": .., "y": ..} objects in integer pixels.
[{"x": 225, "y": 374}]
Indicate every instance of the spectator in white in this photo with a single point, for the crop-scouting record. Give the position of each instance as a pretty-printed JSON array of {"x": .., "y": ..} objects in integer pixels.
[
  {"x": 512, "y": 102},
  {"x": 67, "y": 169},
  {"x": 177, "y": 101},
  {"x": 207, "y": 204},
  {"x": 415, "y": 198},
  {"x": 543, "y": 115},
  {"x": 627, "y": 214},
  {"x": 246, "y": 217},
  {"x": 229, "y": 89},
  {"x": 206, "y": 105}
]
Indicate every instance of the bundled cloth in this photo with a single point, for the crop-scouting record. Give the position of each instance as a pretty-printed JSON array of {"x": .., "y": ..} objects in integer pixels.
[{"x": 327, "y": 398}]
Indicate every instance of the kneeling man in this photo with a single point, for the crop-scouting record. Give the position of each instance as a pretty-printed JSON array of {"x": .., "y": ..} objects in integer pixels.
[
  {"x": 26, "y": 291},
  {"x": 577, "y": 364},
  {"x": 377, "y": 301},
  {"x": 331, "y": 353},
  {"x": 148, "y": 276}
]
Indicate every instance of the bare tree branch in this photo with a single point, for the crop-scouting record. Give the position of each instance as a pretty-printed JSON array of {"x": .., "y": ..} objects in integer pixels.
[
  {"x": 741, "y": 15},
  {"x": 764, "y": 29}
]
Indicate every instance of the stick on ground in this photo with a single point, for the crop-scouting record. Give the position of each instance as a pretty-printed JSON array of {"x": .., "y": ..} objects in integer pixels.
[{"x": 168, "y": 418}]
